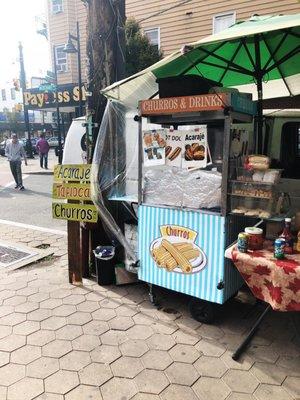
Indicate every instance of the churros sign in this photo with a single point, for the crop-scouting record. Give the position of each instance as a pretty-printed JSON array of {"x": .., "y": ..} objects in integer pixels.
[{"x": 176, "y": 250}]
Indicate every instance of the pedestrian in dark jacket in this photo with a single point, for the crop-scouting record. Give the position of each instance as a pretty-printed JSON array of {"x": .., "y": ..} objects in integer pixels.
[{"x": 42, "y": 147}]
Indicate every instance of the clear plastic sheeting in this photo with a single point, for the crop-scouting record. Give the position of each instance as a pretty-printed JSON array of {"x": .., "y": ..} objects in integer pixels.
[
  {"x": 114, "y": 167},
  {"x": 182, "y": 188}
]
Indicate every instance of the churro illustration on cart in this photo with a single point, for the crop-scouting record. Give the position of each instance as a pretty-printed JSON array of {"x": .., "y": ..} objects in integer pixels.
[{"x": 176, "y": 250}]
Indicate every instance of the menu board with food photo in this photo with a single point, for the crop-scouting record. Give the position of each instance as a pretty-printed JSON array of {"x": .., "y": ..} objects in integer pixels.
[
  {"x": 195, "y": 147},
  {"x": 174, "y": 148},
  {"x": 154, "y": 143}
]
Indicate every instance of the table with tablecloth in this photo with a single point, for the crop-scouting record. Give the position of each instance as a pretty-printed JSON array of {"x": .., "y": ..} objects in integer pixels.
[{"x": 276, "y": 282}]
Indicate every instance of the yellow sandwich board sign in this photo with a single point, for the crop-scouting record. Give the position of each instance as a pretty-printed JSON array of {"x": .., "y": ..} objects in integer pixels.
[
  {"x": 75, "y": 212},
  {"x": 74, "y": 173},
  {"x": 72, "y": 182},
  {"x": 71, "y": 191}
]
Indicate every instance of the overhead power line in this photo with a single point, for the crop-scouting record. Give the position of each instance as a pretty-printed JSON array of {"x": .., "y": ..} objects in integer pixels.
[{"x": 165, "y": 10}]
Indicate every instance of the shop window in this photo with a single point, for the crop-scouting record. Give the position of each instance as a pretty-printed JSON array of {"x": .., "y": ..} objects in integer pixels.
[
  {"x": 290, "y": 150},
  {"x": 223, "y": 21},
  {"x": 153, "y": 35},
  {"x": 3, "y": 94},
  {"x": 57, "y": 6},
  {"x": 13, "y": 94},
  {"x": 61, "y": 59}
]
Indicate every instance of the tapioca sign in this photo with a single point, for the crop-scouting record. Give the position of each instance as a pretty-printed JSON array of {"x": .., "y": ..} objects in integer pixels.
[{"x": 172, "y": 105}]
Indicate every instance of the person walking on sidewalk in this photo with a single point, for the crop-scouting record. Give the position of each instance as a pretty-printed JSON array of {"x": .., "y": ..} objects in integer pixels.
[
  {"x": 42, "y": 147},
  {"x": 14, "y": 152}
]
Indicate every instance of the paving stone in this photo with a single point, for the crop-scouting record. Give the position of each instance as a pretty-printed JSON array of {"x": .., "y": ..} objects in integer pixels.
[
  {"x": 104, "y": 314},
  {"x": 61, "y": 382},
  {"x": 51, "y": 304},
  {"x": 105, "y": 354},
  {"x": 25, "y": 354},
  {"x": 292, "y": 386},
  {"x": 269, "y": 373},
  {"x": 271, "y": 392},
  {"x": 3, "y": 392},
  {"x": 109, "y": 303},
  {"x": 60, "y": 293},
  {"x": 26, "y": 307},
  {"x": 57, "y": 348},
  {"x": 184, "y": 353},
  {"x": 6, "y": 294},
  {"x": 11, "y": 373},
  {"x": 6, "y": 310},
  {"x": 12, "y": 342},
  {"x": 42, "y": 367},
  {"x": 141, "y": 332},
  {"x": 69, "y": 332},
  {"x": 185, "y": 338},
  {"x": 240, "y": 396},
  {"x": 26, "y": 328},
  {"x": 282, "y": 349},
  {"x": 14, "y": 301},
  {"x": 244, "y": 362},
  {"x": 176, "y": 392},
  {"x": 40, "y": 338},
  {"x": 88, "y": 306},
  {"x": 292, "y": 364},
  {"x": 182, "y": 373},
  {"x": 127, "y": 367},
  {"x": 95, "y": 327},
  {"x": 95, "y": 374},
  {"x": 38, "y": 297},
  {"x": 86, "y": 343},
  {"x": 74, "y": 299},
  {"x": 211, "y": 389},
  {"x": 64, "y": 310},
  {"x": 241, "y": 381},
  {"x": 79, "y": 318},
  {"x": 151, "y": 381},
  {"x": 157, "y": 359},
  {"x": 126, "y": 311},
  {"x": 25, "y": 389},
  {"x": 262, "y": 353},
  {"x": 121, "y": 323},
  {"x": 210, "y": 348},
  {"x": 75, "y": 360},
  {"x": 159, "y": 341},
  {"x": 13, "y": 319},
  {"x": 210, "y": 366},
  {"x": 83, "y": 392},
  {"x": 147, "y": 396},
  {"x": 118, "y": 389},
  {"x": 142, "y": 319},
  {"x": 27, "y": 291},
  {"x": 39, "y": 315},
  {"x": 4, "y": 359},
  {"x": 53, "y": 323},
  {"x": 50, "y": 396},
  {"x": 5, "y": 331},
  {"x": 113, "y": 337}
]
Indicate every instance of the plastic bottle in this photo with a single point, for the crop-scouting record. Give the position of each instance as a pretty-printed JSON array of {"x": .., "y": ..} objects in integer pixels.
[{"x": 287, "y": 236}]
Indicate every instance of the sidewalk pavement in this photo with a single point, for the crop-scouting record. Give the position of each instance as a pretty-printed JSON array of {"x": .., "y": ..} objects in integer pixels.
[
  {"x": 59, "y": 342},
  {"x": 33, "y": 166}
]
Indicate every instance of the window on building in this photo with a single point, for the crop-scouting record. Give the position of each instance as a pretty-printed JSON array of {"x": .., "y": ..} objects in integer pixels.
[
  {"x": 13, "y": 94},
  {"x": 61, "y": 59},
  {"x": 3, "y": 94},
  {"x": 57, "y": 6},
  {"x": 223, "y": 21},
  {"x": 153, "y": 35}
]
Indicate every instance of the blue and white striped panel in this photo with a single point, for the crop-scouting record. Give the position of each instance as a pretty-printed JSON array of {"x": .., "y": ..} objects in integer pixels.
[{"x": 210, "y": 238}]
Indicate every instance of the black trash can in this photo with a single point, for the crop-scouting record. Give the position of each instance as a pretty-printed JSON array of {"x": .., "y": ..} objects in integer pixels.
[{"x": 105, "y": 265}]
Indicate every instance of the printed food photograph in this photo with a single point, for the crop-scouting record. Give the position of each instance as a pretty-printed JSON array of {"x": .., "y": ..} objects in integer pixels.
[
  {"x": 154, "y": 145},
  {"x": 177, "y": 256},
  {"x": 194, "y": 152},
  {"x": 172, "y": 152}
]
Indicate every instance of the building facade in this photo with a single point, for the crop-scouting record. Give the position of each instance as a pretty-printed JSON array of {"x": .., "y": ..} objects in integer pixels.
[{"x": 169, "y": 24}]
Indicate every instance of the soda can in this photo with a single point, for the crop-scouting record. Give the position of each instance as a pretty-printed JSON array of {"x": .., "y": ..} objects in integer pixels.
[
  {"x": 242, "y": 243},
  {"x": 279, "y": 245}
]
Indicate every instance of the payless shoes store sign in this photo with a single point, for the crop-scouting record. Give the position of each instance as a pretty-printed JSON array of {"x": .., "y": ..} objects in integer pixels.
[
  {"x": 65, "y": 96},
  {"x": 72, "y": 182}
]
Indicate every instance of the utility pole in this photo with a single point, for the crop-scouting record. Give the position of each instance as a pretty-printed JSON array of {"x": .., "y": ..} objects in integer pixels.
[{"x": 23, "y": 87}]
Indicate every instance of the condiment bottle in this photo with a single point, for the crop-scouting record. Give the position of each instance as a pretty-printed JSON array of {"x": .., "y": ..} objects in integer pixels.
[{"x": 287, "y": 236}]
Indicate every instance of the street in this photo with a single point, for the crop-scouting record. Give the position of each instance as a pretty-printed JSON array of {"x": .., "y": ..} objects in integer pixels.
[{"x": 33, "y": 205}]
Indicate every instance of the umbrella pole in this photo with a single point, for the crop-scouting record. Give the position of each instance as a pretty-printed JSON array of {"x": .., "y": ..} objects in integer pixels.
[{"x": 259, "y": 117}]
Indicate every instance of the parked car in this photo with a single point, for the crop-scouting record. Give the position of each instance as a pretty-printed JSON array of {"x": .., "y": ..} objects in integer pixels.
[{"x": 53, "y": 141}]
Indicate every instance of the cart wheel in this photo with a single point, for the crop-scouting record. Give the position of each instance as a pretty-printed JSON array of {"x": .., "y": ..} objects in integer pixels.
[{"x": 202, "y": 311}]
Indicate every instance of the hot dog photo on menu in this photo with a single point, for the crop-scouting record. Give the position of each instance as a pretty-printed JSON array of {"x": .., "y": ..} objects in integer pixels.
[
  {"x": 154, "y": 143},
  {"x": 173, "y": 148}
]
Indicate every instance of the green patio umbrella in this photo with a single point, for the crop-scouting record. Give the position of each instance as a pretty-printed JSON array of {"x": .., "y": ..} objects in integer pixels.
[{"x": 260, "y": 56}]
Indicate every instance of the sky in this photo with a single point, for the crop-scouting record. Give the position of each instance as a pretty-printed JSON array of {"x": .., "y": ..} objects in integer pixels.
[{"x": 18, "y": 23}]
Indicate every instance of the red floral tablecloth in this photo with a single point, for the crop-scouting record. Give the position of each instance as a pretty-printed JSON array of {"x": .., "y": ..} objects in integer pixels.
[{"x": 275, "y": 281}]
